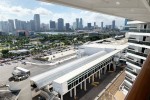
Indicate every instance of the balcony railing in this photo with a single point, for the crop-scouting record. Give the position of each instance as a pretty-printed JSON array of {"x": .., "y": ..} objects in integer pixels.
[
  {"x": 131, "y": 72},
  {"x": 135, "y": 63},
  {"x": 128, "y": 80},
  {"x": 139, "y": 42},
  {"x": 136, "y": 53},
  {"x": 140, "y": 30}
]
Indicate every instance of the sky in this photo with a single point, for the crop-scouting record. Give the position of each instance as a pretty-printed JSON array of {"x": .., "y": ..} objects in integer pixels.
[{"x": 25, "y": 10}]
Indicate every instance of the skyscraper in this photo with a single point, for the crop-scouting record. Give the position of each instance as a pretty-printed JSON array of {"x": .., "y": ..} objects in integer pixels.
[
  {"x": 11, "y": 25},
  {"x": 52, "y": 25},
  {"x": 37, "y": 22},
  {"x": 67, "y": 26},
  {"x": 32, "y": 25},
  {"x": 101, "y": 25},
  {"x": 77, "y": 23},
  {"x": 81, "y": 24},
  {"x": 113, "y": 24},
  {"x": 18, "y": 24},
  {"x": 60, "y": 24},
  {"x": 89, "y": 26},
  {"x": 28, "y": 25}
]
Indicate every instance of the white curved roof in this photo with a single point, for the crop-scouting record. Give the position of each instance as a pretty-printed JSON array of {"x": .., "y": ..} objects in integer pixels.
[
  {"x": 47, "y": 77},
  {"x": 131, "y": 9}
]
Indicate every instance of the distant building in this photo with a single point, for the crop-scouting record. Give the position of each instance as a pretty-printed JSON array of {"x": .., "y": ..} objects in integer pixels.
[
  {"x": 113, "y": 24},
  {"x": 18, "y": 24},
  {"x": 4, "y": 26},
  {"x": 125, "y": 22},
  {"x": 37, "y": 22},
  {"x": 67, "y": 27},
  {"x": 108, "y": 26},
  {"x": 89, "y": 26},
  {"x": 28, "y": 25},
  {"x": 52, "y": 25},
  {"x": 77, "y": 23},
  {"x": 81, "y": 23},
  {"x": 44, "y": 27},
  {"x": 11, "y": 25},
  {"x": 21, "y": 33},
  {"x": 102, "y": 25},
  {"x": 32, "y": 25},
  {"x": 60, "y": 24}
]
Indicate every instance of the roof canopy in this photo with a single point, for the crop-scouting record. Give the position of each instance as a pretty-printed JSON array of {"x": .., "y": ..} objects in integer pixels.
[{"x": 131, "y": 9}]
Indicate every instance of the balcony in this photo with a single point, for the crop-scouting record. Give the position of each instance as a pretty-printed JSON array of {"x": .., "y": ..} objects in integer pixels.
[
  {"x": 131, "y": 72},
  {"x": 140, "y": 42},
  {"x": 136, "y": 53},
  {"x": 140, "y": 30},
  {"x": 135, "y": 63},
  {"x": 128, "y": 80}
]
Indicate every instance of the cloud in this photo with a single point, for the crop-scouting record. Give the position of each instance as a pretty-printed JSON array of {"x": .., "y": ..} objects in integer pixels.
[{"x": 41, "y": 11}]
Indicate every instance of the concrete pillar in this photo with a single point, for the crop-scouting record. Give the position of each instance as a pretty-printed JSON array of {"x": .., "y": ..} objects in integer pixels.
[
  {"x": 61, "y": 97},
  {"x": 81, "y": 86},
  {"x": 89, "y": 79},
  {"x": 105, "y": 68},
  {"x": 101, "y": 71},
  {"x": 85, "y": 85},
  {"x": 109, "y": 66},
  {"x": 99, "y": 74},
  {"x": 71, "y": 93},
  {"x": 114, "y": 66},
  {"x": 75, "y": 93},
  {"x": 93, "y": 78},
  {"x": 96, "y": 74}
]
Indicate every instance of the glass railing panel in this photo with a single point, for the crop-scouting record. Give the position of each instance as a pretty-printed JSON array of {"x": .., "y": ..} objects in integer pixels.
[
  {"x": 137, "y": 53},
  {"x": 139, "y": 42},
  {"x": 135, "y": 63},
  {"x": 140, "y": 30},
  {"x": 129, "y": 80},
  {"x": 131, "y": 72}
]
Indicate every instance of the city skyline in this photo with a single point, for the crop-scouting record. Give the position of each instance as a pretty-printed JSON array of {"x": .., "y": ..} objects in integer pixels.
[
  {"x": 49, "y": 11},
  {"x": 59, "y": 25}
]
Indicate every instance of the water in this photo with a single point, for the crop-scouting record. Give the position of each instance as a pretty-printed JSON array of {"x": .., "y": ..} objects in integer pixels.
[{"x": 55, "y": 33}]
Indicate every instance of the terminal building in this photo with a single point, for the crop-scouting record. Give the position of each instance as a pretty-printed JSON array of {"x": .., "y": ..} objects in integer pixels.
[{"x": 93, "y": 60}]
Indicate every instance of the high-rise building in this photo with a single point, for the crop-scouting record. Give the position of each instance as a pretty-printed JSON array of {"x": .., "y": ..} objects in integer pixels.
[
  {"x": 89, "y": 26},
  {"x": 4, "y": 26},
  {"x": 52, "y": 25},
  {"x": 11, "y": 25},
  {"x": 37, "y": 22},
  {"x": 32, "y": 25},
  {"x": 18, "y": 24},
  {"x": 77, "y": 23},
  {"x": 44, "y": 27},
  {"x": 28, "y": 26},
  {"x": 81, "y": 23},
  {"x": 102, "y": 25},
  {"x": 60, "y": 24},
  {"x": 113, "y": 24},
  {"x": 23, "y": 25},
  {"x": 67, "y": 27}
]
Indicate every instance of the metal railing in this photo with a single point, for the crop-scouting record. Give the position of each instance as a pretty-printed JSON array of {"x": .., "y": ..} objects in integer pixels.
[
  {"x": 128, "y": 80},
  {"x": 131, "y": 72},
  {"x": 137, "y": 53},
  {"x": 140, "y": 30},
  {"x": 135, "y": 63},
  {"x": 139, "y": 42}
]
